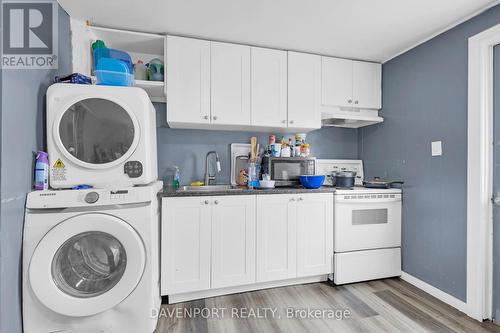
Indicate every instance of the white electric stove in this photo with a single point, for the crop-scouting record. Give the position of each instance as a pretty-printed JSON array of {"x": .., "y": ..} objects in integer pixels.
[{"x": 367, "y": 227}]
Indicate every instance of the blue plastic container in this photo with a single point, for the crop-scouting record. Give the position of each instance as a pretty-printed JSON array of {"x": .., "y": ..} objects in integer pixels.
[
  {"x": 104, "y": 53},
  {"x": 113, "y": 67},
  {"x": 312, "y": 182}
]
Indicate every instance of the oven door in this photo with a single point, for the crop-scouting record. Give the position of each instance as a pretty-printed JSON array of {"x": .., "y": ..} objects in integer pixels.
[{"x": 367, "y": 222}]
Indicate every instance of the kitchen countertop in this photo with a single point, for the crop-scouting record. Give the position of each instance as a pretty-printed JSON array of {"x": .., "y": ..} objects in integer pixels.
[{"x": 246, "y": 191}]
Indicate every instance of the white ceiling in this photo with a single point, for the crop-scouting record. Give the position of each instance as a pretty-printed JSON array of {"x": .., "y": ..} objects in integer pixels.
[{"x": 375, "y": 30}]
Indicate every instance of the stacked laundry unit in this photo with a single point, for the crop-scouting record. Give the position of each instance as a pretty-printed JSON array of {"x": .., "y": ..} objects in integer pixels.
[{"x": 90, "y": 259}]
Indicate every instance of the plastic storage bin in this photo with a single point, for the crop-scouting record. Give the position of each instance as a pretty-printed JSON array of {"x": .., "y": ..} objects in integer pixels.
[{"x": 113, "y": 67}]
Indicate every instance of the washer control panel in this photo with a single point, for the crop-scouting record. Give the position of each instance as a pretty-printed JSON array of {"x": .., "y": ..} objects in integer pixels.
[
  {"x": 133, "y": 169},
  {"x": 91, "y": 197}
]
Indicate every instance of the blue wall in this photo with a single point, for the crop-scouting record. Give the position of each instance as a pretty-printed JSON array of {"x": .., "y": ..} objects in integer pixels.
[
  {"x": 22, "y": 132},
  {"x": 424, "y": 100},
  {"x": 187, "y": 148}
]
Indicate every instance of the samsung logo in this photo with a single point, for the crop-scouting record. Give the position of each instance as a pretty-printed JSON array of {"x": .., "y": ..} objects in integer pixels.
[{"x": 46, "y": 194}]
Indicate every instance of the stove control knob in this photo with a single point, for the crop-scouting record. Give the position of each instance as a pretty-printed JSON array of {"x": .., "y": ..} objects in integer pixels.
[{"x": 91, "y": 197}]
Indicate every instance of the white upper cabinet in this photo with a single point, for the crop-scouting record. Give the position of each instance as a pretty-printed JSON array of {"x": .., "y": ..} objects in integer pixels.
[
  {"x": 336, "y": 81},
  {"x": 214, "y": 85},
  {"x": 348, "y": 83},
  {"x": 367, "y": 85},
  {"x": 269, "y": 87},
  {"x": 188, "y": 83},
  {"x": 230, "y": 84},
  {"x": 304, "y": 90},
  {"x": 233, "y": 241}
]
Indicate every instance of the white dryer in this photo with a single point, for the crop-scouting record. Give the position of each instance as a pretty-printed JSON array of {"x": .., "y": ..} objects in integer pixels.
[
  {"x": 100, "y": 135},
  {"x": 91, "y": 260}
]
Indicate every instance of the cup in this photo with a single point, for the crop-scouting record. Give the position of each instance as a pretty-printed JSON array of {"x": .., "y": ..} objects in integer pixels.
[
  {"x": 276, "y": 149},
  {"x": 285, "y": 152}
]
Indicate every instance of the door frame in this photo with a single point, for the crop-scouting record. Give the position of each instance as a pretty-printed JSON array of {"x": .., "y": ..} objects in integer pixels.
[{"x": 480, "y": 174}]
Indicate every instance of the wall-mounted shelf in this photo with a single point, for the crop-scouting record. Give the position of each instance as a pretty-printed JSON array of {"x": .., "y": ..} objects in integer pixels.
[{"x": 140, "y": 46}]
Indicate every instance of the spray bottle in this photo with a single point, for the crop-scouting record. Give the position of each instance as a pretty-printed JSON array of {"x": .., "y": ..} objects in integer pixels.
[{"x": 42, "y": 171}]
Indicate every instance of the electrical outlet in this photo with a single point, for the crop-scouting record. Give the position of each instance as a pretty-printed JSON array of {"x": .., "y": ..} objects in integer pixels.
[{"x": 436, "y": 148}]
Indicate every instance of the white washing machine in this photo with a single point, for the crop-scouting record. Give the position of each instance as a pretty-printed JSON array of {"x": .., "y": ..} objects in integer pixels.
[
  {"x": 91, "y": 260},
  {"x": 100, "y": 135}
]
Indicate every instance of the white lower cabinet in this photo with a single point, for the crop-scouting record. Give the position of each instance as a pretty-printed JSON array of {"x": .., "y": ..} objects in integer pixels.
[
  {"x": 185, "y": 244},
  {"x": 233, "y": 241},
  {"x": 314, "y": 234},
  {"x": 215, "y": 242},
  {"x": 276, "y": 237}
]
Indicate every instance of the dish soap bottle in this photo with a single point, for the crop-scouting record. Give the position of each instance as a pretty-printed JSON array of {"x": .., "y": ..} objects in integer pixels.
[{"x": 42, "y": 171}]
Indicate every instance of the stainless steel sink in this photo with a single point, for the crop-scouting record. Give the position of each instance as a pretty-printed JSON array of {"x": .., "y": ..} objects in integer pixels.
[{"x": 209, "y": 188}]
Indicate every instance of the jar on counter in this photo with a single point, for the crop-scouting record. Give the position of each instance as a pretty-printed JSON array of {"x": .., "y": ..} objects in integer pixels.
[{"x": 305, "y": 150}]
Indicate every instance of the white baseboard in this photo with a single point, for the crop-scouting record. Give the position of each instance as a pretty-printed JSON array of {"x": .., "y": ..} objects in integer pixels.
[
  {"x": 439, "y": 294},
  {"x": 189, "y": 296}
]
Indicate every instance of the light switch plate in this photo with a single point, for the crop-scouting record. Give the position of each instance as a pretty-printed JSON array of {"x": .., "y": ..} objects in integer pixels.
[{"x": 436, "y": 148}]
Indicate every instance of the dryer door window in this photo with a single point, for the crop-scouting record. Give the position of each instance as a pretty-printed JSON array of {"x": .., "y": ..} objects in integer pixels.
[
  {"x": 97, "y": 131},
  {"x": 89, "y": 264}
]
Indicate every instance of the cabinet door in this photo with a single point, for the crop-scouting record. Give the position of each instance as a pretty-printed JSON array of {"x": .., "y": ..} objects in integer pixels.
[
  {"x": 314, "y": 234},
  {"x": 336, "y": 82},
  {"x": 185, "y": 245},
  {"x": 269, "y": 87},
  {"x": 188, "y": 80},
  {"x": 230, "y": 98},
  {"x": 304, "y": 84},
  {"x": 367, "y": 85},
  {"x": 233, "y": 241},
  {"x": 276, "y": 237}
]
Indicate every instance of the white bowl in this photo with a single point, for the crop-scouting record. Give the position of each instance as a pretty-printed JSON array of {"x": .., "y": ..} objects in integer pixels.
[{"x": 266, "y": 183}]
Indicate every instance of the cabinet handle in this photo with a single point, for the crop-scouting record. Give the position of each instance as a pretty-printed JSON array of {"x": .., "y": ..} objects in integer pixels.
[
  {"x": 283, "y": 121},
  {"x": 216, "y": 202},
  {"x": 206, "y": 202},
  {"x": 300, "y": 199},
  {"x": 349, "y": 101},
  {"x": 291, "y": 121},
  {"x": 355, "y": 102},
  {"x": 214, "y": 117},
  {"x": 292, "y": 199},
  {"x": 205, "y": 117}
]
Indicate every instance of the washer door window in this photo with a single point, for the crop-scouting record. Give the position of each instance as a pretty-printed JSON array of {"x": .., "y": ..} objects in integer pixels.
[
  {"x": 97, "y": 132},
  {"x": 87, "y": 264}
]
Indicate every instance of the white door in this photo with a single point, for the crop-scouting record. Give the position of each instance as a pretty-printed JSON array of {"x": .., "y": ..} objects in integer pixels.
[
  {"x": 276, "y": 237},
  {"x": 233, "y": 240},
  {"x": 188, "y": 80},
  {"x": 269, "y": 87},
  {"x": 87, "y": 264},
  {"x": 367, "y": 85},
  {"x": 185, "y": 245},
  {"x": 230, "y": 70},
  {"x": 304, "y": 90},
  {"x": 336, "y": 82},
  {"x": 314, "y": 234}
]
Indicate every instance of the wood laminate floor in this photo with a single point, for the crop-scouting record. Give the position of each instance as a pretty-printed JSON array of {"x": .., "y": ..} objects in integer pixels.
[{"x": 390, "y": 305}]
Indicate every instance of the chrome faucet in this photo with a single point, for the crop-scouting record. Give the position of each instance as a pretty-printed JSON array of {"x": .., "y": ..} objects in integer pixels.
[{"x": 210, "y": 178}]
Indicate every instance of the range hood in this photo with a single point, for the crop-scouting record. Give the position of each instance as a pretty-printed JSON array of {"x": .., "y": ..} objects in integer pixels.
[{"x": 350, "y": 118}]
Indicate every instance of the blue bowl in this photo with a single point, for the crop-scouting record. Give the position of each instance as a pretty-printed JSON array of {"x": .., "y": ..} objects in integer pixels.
[{"x": 312, "y": 181}]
